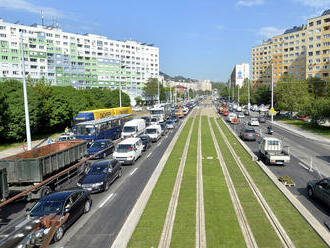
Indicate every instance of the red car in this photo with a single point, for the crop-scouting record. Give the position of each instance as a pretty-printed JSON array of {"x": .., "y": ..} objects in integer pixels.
[{"x": 225, "y": 113}]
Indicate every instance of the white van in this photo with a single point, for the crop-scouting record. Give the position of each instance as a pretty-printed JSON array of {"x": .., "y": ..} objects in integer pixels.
[
  {"x": 133, "y": 128},
  {"x": 154, "y": 132},
  {"x": 128, "y": 151}
]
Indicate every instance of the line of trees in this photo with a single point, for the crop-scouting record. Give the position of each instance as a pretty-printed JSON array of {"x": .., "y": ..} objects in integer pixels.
[
  {"x": 51, "y": 108},
  {"x": 307, "y": 97}
]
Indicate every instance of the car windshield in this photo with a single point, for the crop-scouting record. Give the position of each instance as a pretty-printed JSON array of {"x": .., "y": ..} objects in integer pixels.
[
  {"x": 156, "y": 112},
  {"x": 97, "y": 170},
  {"x": 150, "y": 131},
  {"x": 98, "y": 145},
  {"x": 143, "y": 137},
  {"x": 124, "y": 148},
  {"x": 129, "y": 129},
  {"x": 154, "y": 119},
  {"x": 47, "y": 207},
  {"x": 254, "y": 119},
  {"x": 169, "y": 122},
  {"x": 249, "y": 131}
]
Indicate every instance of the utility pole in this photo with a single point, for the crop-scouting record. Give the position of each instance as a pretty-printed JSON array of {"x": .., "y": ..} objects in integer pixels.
[
  {"x": 120, "y": 83},
  {"x": 229, "y": 89},
  {"x": 238, "y": 94},
  {"x": 249, "y": 95},
  {"x": 158, "y": 92},
  {"x": 26, "y": 105},
  {"x": 272, "y": 103}
]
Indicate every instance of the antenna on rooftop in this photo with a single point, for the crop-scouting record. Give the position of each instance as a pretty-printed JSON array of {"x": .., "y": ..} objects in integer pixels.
[{"x": 42, "y": 17}]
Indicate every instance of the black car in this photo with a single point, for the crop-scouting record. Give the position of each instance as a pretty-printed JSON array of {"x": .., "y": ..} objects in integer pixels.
[
  {"x": 146, "y": 141},
  {"x": 163, "y": 127},
  {"x": 71, "y": 202},
  {"x": 99, "y": 145},
  {"x": 320, "y": 189},
  {"x": 262, "y": 119},
  {"x": 100, "y": 175},
  {"x": 147, "y": 120}
]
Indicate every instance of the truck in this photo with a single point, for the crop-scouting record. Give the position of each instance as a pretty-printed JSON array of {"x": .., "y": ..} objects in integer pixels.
[
  {"x": 272, "y": 151},
  {"x": 26, "y": 169},
  {"x": 160, "y": 110}
]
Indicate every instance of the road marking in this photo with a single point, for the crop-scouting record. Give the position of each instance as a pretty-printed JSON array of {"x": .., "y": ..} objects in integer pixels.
[
  {"x": 149, "y": 155},
  {"x": 133, "y": 171},
  {"x": 107, "y": 199},
  {"x": 304, "y": 166}
]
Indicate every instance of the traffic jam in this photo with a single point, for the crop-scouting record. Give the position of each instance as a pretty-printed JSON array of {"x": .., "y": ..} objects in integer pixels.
[{"x": 92, "y": 154}]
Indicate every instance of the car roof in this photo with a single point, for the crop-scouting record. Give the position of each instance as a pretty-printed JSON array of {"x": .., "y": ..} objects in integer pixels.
[
  {"x": 129, "y": 141},
  {"x": 102, "y": 163},
  {"x": 102, "y": 140},
  {"x": 270, "y": 138},
  {"x": 56, "y": 196},
  {"x": 153, "y": 126}
]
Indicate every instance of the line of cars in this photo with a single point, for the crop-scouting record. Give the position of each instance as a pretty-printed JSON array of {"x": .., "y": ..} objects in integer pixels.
[{"x": 69, "y": 205}]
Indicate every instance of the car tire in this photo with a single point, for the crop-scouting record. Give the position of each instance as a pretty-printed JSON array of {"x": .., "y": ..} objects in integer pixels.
[
  {"x": 87, "y": 206},
  {"x": 310, "y": 192},
  {"x": 106, "y": 186},
  {"x": 133, "y": 161},
  {"x": 120, "y": 173},
  {"x": 59, "y": 234}
]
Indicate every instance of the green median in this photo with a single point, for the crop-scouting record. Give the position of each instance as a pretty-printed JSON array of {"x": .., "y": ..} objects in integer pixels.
[
  {"x": 149, "y": 229},
  {"x": 222, "y": 228},
  {"x": 184, "y": 230},
  {"x": 261, "y": 228},
  {"x": 300, "y": 232}
]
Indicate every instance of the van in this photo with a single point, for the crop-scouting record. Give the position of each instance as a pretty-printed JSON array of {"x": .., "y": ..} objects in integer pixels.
[
  {"x": 154, "y": 132},
  {"x": 128, "y": 150},
  {"x": 133, "y": 128}
]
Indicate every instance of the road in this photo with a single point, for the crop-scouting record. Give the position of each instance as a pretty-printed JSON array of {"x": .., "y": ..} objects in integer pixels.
[
  {"x": 110, "y": 209},
  {"x": 301, "y": 150}
]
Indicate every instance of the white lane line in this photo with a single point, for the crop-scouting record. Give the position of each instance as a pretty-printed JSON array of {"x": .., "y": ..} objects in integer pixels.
[
  {"x": 107, "y": 199},
  {"x": 149, "y": 155},
  {"x": 304, "y": 166},
  {"x": 133, "y": 171}
]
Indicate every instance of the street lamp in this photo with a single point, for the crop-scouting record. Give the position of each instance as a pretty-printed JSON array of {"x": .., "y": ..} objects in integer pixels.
[
  {"x": 249, "y": 95},
  {"x": 272, "y": 103},
  {"x": 26, "y": 105}
]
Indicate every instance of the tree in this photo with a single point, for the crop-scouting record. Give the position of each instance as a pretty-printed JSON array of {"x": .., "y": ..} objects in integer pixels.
[
  {"x": 151, "y": 88},
  {"x": 262, "y": 95},
  {"x": 138, "y": 100}
]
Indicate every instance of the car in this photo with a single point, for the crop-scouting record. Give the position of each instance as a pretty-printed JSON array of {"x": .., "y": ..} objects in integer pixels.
[
  {"x": 246, "y": 112},
  {"x": 170, "y": 124},
  {"x": 262, "y": 119},
  {"x": 241, "y": 115},
  {"x": 320, "y": 189},
  {"x": 128, "y": 150},
  {"x": 99, "y": 145},
  {"x": 72, "y": 202},
  {"x": 225, "y": 113},
  {"x": 154, "y": 132},
  {"x": 174, "y": 118},
  {"x": 163, "y": 128},
  {"x": 154, "y": 120},
  {"x": 254, "y": 122},
  {"x": 248, "y": 134},
  {"x": 147, "y": 119},
  {"x": 137, "y": 109},
  {"x": 66, "y": 136},
  {"x": 146, "y": 142},
  {"x": 100, "y": 175}
]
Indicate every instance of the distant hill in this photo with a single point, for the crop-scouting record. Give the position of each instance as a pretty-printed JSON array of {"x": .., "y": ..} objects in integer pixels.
[{"x": 177, "y": 78}]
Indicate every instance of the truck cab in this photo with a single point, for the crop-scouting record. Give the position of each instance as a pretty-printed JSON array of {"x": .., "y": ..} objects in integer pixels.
[{"x": 271, "y": 149}]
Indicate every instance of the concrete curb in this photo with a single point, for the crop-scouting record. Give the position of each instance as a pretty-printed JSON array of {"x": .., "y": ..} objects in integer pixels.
[
  {"x": 133, "y": 218},
  {"x": 314, "y": 223}
]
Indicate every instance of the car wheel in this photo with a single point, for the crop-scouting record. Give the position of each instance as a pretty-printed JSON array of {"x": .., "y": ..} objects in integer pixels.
[
  {"x": 87, "y": 206},
  {"x": 310, "y": 192},
  {"x": 59, "y": 234},
  {"x": 106, "y": 187},
  {"x": 133, "y": 161},
  {"x": 120, "y": 172}
]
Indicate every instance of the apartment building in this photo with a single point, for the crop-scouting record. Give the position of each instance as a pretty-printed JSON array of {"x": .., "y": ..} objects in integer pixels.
[
  {"x": 68, "y": 59},
  {"x": 302, "y": 51},
  {"x": 239, "y": 74}
]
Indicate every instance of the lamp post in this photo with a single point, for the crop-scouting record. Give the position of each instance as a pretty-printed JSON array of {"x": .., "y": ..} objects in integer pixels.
[
  {"x": 272, "y": 101},
  {"x": 26, "y": 105},
  {"x": 158, "y": 91},
  {"x": 249, "y": 95}
]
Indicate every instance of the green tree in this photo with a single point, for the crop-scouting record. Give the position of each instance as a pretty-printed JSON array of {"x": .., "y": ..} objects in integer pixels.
[
  {"x": 151, "y": 88},
  {"x": 262, "y": 95},
  {"x": 138, "y": 100}
]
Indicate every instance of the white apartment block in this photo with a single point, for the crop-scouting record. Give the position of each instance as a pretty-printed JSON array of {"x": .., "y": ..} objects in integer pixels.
[{"x": 239, "y": 73}]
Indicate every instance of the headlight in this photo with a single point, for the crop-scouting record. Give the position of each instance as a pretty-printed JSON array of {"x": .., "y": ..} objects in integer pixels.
[
  {"x": 131, "y": 156},
  {"x": 79, "y": 184},
  {"x": 97, "y": 184}
]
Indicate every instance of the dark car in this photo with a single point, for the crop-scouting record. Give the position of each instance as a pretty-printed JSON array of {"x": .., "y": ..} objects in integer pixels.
[
  {"x": 99, "y": 145},
  {"x": 100, "y": 175},
  {"x": 146, "y": 142},
  {"x": 147, "y": 120},
  {"x": 71, "y": 202},
  {"x": 163, "y": 127},
  {"x": 320, "y": 189},
  {"x": 174, "y": 118},
  {"x": 248, "y": 134},
  {"x": 246, "y": 112},
  {"x": 262, "y": 119}
]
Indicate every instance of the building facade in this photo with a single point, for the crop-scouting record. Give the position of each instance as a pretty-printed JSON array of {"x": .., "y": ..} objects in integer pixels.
[
  {"x": 302, "y": 52},
  {"x": 239, "y": 73},
  {"x": 81, "y": 61}
]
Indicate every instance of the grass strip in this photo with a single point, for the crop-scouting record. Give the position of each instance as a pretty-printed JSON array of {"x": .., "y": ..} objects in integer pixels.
[
  {"x": 300, "y": 232},
  {"x": 184, "y": 230},
  {"x": 262, "y": 229},
  {"x": 311, "y": 127},
  {"x": 222, "y": 228},
  {"x": 149, "y": 229}
]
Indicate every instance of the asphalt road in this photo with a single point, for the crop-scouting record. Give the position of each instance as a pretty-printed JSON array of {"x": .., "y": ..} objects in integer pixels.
[
  {"x": 301, "y": 150},
  {"x": 110, "y": 209}
]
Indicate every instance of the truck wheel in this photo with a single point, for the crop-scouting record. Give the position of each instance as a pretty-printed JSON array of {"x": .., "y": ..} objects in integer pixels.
[
  {"x": 310, "y": 192},
  {"x": 59, "y": 234}
]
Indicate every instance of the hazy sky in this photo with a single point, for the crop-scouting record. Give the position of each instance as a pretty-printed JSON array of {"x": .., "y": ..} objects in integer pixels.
[{"x": 199, "y": 39}]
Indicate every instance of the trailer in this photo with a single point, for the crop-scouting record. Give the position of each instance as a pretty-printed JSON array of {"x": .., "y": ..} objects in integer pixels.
[{"x": 29, "y": 168}]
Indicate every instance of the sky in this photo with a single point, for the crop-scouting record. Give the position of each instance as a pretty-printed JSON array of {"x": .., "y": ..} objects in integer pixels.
[{"x": 200, "y": 39}]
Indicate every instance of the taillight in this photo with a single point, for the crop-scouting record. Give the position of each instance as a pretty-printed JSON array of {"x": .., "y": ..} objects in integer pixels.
[{"x": 244, "y": 134}]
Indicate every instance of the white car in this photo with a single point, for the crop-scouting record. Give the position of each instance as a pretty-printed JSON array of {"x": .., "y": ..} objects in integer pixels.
[
  {"x": 254, "y": 122},
  {"x": 128, "y": 151},
  {"x": 137, "y": 109},
  {"x": 241, "y": 115}
]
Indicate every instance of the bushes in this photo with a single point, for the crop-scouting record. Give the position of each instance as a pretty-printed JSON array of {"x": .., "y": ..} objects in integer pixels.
[{"x": 51, "y": 108}]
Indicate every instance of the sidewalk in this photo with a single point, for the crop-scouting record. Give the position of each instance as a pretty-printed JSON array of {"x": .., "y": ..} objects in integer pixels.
[
  {"x": 304, "y": 133},
  {"x": 18, "y": 149}
]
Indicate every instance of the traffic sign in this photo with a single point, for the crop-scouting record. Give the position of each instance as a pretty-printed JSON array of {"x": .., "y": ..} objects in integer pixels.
[{"x": 272, "y": 111}]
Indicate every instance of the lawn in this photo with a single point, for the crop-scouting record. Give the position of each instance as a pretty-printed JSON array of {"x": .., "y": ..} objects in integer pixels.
[
  {"x": 222, "y": 228},
  {"x": 300, "y": 232},
  {"x": 148, "y": 231},
  {"x": 184, "y": 230},
  {"x": 311, "y": 127},
  {"x": 262, "y": 230}
]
